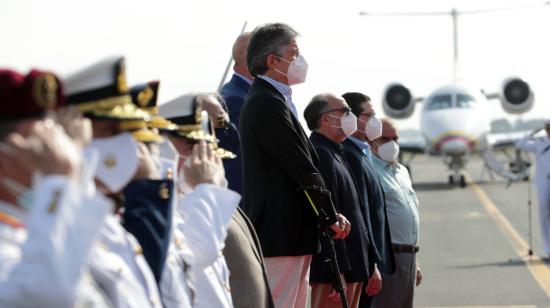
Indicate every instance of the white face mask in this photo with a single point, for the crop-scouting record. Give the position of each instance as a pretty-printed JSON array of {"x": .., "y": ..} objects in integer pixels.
[
  {"x": 297, "y": 70},
  {"x": 348, "y": 124},
  {"x": 388, "y": 151},
  {"x": 118, "y": 160},
  {"x": 373, "y": 128}
]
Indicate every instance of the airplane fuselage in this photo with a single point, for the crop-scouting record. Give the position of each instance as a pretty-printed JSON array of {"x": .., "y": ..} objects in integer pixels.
[{"x": 454, "y": 121}]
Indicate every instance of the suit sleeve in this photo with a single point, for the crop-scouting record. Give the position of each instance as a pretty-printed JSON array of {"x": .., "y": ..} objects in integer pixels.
[
  {"x": 63, "y": 225},
  {"x": 327, "y": 168},
  {"x": 229, "y": 139},
  {"x": 234, "y": 106},
  {"x": 279, "y": 137},
  {"x": 357, "y": 171}
]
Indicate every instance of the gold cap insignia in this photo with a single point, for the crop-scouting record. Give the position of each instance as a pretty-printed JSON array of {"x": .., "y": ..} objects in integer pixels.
[
  {"x": 144, "y": 97},
  {"x": 110, "y": 162},
  {"x": 45, "y": 91},
  {"x": 164, "y": 192}
]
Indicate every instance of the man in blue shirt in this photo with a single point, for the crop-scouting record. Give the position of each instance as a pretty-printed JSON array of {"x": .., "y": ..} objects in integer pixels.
[{"x": 402, "y": 210}]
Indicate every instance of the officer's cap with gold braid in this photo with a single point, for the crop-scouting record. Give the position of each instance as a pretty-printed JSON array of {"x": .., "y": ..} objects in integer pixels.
[
  {"x": 192, "y": 121},
  {"x": 100, "y": 91},
  {"x": 31, "y": 95},
  {"x": 144, "y": 96}
]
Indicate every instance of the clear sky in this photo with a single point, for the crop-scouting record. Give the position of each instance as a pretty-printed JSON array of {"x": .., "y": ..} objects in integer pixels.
[{"x": 187, "y": 44}]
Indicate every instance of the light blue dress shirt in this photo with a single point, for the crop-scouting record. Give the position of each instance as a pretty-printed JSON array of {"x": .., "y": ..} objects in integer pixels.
[
  {"x": 401, "y": 201},
  {"x": 285, "y": 90},
  {"x": 364, "y": 146}
]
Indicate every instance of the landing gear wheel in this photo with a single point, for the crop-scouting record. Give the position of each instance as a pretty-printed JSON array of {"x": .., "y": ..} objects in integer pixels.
[
  {"x": 451, "y": 180},
  {"x": 462, "y": 181}
]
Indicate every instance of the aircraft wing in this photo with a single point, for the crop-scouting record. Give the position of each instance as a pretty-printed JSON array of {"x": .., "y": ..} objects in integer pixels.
[
  {"x": 504, "y": 134},
  {"x": 504, "y": 140},
  {"x": 412, "y": 141}
]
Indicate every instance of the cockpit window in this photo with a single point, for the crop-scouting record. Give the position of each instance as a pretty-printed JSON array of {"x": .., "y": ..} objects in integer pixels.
[
  {"x": 440, "y": 102},
  {"x": 465, "y": 101}
]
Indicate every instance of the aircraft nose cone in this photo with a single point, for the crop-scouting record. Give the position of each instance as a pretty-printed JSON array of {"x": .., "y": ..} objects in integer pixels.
[{"x": 455, "y": 145}]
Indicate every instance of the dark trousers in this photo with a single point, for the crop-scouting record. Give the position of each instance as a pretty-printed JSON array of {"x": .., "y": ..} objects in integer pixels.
[{"x": 398, "y": 288}]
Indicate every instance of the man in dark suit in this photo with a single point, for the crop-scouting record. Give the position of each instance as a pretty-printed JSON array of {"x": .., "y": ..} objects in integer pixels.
[
  {"x": 234, "y": 92},
  {"x": 357, "y": 154},
  {"x": 331, "y": 121},
  {"x": 279, "y": 167}
]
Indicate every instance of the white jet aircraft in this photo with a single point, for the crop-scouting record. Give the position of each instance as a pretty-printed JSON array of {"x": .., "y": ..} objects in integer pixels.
[{"x": 455, "y": 121}]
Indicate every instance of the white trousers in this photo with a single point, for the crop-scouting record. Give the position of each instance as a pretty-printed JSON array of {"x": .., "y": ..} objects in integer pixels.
[
  {"x": 288, "y": 279},
  {"x": 544, "y": 216}
]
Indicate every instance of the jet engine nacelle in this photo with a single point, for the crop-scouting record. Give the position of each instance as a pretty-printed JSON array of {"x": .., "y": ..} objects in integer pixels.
[
  {"x": 398, "y": 101},
  {"x": 516, "y": 96}
]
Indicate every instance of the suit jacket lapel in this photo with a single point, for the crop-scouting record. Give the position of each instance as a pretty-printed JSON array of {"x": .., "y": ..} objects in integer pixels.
[{"x": 299, "y": 130}]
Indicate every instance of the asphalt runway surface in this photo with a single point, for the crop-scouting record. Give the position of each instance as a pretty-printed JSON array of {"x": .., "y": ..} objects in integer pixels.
[{"x": 474, "y": 241}]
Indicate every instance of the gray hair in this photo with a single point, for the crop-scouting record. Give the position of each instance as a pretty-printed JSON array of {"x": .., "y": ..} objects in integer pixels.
[
  {"x": 314, "y": 110},
  {"x": 267, "y": 40}
]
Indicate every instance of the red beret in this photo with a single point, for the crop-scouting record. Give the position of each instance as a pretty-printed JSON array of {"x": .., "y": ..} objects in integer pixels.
[{"x": 30, "y": 95}]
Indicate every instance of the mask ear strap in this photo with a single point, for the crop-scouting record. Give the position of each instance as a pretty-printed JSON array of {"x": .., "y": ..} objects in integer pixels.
[{"x": 278, "y": 71}]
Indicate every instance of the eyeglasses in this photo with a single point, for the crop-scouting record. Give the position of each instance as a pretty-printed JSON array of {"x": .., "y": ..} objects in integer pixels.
[
  {"x": 345, "y": 110},
  {"x": 368, "y": 115},
  {"x": 385, "y": 139}
]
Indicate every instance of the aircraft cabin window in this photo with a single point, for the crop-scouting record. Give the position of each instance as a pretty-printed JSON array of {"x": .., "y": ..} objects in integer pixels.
[
  {"x": 440, "y": 102},
  {"x": 465, "y": 101}
]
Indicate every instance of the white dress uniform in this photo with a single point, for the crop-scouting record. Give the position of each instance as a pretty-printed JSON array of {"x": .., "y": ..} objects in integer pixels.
[
  {"x": 541, "y": 148},
  {"x": 195, "y": 263},
  {"x": 43, "y": 253},
  {"x": 119, "y": 268}
]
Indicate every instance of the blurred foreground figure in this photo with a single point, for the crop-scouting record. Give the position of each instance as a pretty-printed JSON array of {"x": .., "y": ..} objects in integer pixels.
[
  {"x": 204, "y": 209},
  {"x": 541, "y": 148},
  {"x": 49, "y": 221}
]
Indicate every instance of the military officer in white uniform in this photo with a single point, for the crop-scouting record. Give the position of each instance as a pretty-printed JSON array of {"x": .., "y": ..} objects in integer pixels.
[
  {"x": 203, "y": 212},
  {"x": 117, "y": 264},
  {"x": 48, "y": 223},
  {"x": 541, "y": 148}
]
